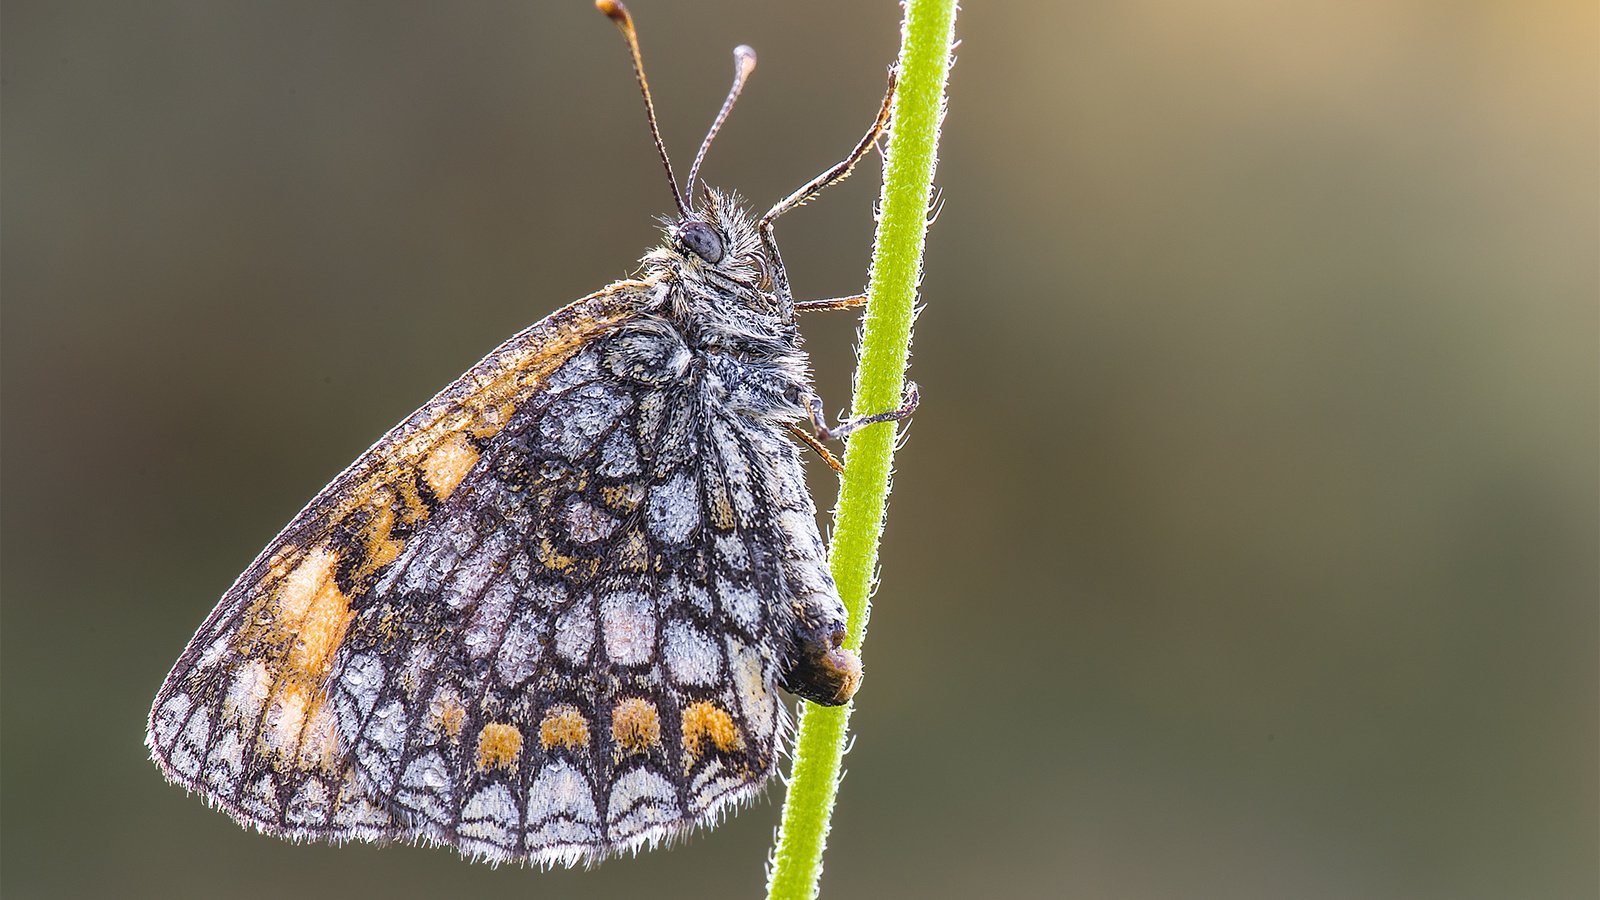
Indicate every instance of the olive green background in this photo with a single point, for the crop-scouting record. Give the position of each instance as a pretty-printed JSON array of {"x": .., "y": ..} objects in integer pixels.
[{"x": 1245, "y": 543}]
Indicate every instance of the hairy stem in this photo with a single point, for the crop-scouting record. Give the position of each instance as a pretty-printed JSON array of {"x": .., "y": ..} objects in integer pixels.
[{"x": 924, "y": 65}]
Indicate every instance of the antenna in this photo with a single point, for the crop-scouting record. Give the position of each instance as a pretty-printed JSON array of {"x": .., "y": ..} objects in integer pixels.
[
  {"x": 618, "y": 13},
  {"x": 744, "y": 62}
]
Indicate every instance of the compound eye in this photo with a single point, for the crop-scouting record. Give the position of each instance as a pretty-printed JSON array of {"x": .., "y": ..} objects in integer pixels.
[{"x": 703, "y": 240}]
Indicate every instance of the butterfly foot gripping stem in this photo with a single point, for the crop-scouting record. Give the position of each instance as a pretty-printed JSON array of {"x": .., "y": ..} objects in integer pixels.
[{"x": 847, "y": 427}]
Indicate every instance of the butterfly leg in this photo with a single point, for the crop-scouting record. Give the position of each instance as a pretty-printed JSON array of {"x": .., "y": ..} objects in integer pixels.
[
  {"x": 846, "y": 427},
  {"x": 810, "y": 441},
  {"x": 834, "y": 175},
  {"x": 841, "y": 170},
  {"x": 835, "y": 303}
]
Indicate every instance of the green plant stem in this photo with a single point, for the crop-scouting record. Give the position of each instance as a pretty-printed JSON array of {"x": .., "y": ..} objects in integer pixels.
[{"x": 924, "y": 66}]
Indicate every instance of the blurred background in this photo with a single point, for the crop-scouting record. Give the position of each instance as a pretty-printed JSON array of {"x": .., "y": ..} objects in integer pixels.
[{"x": 1245, "y": 543}]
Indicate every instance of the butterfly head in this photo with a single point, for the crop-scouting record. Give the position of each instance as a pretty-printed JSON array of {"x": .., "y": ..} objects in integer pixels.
[
  {"x": 722, "y": 284},
  {"x": 717, "y": 242}
]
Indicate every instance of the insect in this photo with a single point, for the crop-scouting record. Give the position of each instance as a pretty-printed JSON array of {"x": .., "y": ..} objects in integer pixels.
[{"x": 546, "y": 617}]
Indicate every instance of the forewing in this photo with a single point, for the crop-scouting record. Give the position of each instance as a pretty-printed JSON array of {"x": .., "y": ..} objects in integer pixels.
[{"x": 244, "y": 717}]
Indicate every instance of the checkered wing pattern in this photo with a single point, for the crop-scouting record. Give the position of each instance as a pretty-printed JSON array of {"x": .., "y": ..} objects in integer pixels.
[{"x": 543, "y": 620}]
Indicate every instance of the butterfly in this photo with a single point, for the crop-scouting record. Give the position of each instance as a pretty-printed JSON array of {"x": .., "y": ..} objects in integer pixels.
[{"x": 546, "y": 618}]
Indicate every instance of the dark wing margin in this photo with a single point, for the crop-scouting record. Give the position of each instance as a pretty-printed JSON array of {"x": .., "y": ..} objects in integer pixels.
[{"x": 244, "y": 718}]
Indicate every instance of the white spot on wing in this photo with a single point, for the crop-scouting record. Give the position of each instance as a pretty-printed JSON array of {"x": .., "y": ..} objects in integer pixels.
[
  {"x": 476, "y": 570},
  {"x": 575, "y": 633},
  {"x": 518, "y": 658},
  {"x": 261, "y": 798},
  {"x": 247, "y": 692},
  {"x": 561, "y": 808},
  {"x": 191, "y": 744},
  {"x": 750, "y": 680},
  {"x": 736, "y": 471},
  {"x": 587, "y": 523},
  {"x": 547, "y": 595},
  {"x": 359, "y": 686},
  {"x": 310, "y": 805},
  {"x": 700, "y": 598},
  {"x": 640, "y": 799},
  {"x": 801, "y": 529},
  {"x": 575, "y": 421},
  {"x": 426, "y": 787},
  {"x": 418, "y": 667},
  {"x": 388, "y": 728},
  {"x": 691, "y": 655},
  {"x": 715, "y": 781},
  {"x": 789, "y": 490},
  {"x": 674, "y": 509},
  {"x": 742, "y": 603},
  {"x": 226, "y": 762},
  {"x": 427, "y": 772},
  {"x": 488, "y": 812},
  {"x": 487, "y": 821},
  {"x": 489, "y": 619},
  {"x": 630, "y": 627},
  {"x": 730, "y": 547},
  {"x": 165, "y": 726},
  {"x": 575, "y": 371},
  {"x": 215, "y": 651},
  {"x": 619, "y": 458}
]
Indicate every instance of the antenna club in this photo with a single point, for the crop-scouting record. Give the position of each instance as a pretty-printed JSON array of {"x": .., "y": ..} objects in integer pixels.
[
  {"x": 744, "y": 56},
  {"x": 614, "y": 11},
  {"x": 744, "y": 62}
]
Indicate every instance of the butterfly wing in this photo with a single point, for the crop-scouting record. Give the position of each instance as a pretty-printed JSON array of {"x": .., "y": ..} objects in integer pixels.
[
  {"x": 578, "y": 657},
  {"x": 561, "y": 642},
  {"x": 243, "y": 717}
]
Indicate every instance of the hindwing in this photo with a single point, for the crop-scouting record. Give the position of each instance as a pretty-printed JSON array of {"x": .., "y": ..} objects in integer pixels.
[{"x": 543, "y": 619}]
